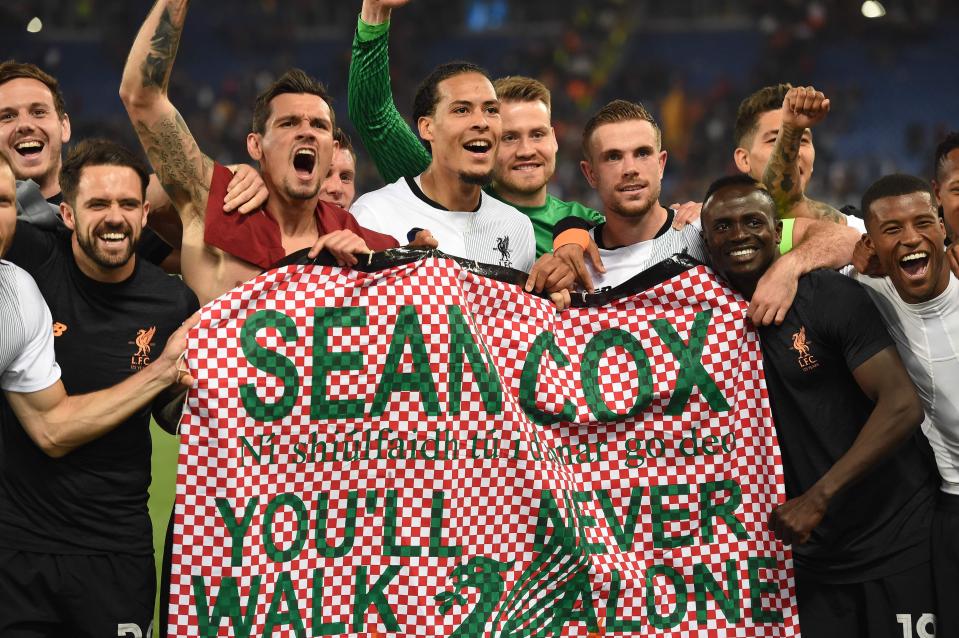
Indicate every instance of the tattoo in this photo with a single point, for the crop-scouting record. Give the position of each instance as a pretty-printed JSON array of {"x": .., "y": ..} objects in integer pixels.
[
  {"x": 164, "y": 43},
  {"x": 821, "y": 210},
  {"x": 183, "y": 170},
  {"x": 782, "y": 170}
]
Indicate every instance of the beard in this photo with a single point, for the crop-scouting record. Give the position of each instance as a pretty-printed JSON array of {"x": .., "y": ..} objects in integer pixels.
[
  {"x": 88, "y": 244},
  {"x": 477, "y": 179},
  {"x": 301, "y": 192}
]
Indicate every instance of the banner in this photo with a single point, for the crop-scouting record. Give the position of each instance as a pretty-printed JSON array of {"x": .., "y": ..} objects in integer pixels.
[{"x": 421, "y": 450}]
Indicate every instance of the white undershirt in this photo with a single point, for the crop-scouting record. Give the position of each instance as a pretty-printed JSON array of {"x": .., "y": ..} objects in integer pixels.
[{"x": 927, "y": 336}]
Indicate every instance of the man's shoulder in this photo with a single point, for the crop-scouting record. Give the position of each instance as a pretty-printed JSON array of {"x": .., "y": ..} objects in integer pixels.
[
  {"x": 165, "y": 287},
  {"x": 491, "y": 205},
  {"x": 397, "y": 192},
  {"x": 565, "y": 208}
]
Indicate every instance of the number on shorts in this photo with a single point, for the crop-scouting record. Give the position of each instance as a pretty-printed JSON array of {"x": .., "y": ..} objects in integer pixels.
[{"x": 925, "y": 626}]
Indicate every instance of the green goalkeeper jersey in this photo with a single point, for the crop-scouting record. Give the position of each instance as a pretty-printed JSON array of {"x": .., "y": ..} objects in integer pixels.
[{"x": 394, "y": 148}]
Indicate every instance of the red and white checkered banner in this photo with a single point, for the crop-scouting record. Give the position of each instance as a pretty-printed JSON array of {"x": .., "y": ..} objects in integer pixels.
[{"x": 424, "y": 451}]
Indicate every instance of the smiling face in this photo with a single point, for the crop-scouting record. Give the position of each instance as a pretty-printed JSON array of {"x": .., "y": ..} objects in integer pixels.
[
  {"x": 908, "y": 238},
  {"x": 465, "y": 127},
  {"x": 947, "y": 191},
  {"x": 625, "y": 167},
  {"x": 339, "y": 187},
  {"x": 526, "y": 157},
  {"x": 296, "y": 147},
  {"x": 32, "y": 134},
  {"x": 754, "y": 158},
  {"x": 741, "y": 234},
  {"x": 107, "y": 217}
]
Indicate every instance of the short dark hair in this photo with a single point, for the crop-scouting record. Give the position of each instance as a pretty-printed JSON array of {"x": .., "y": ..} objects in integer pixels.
[
  {"x": 346, "y": 144},
  {"x": 293, "y": 81},
  {"x": 98, "y": 152},
  {"x": 618, "y": 111},
  {"x": 946, "y": 146},
  {"x": 893, "y": 186},
  {"x": 428, "y": 95},
  {"x": 519, "y": 88},
  {"x": 768, "y": 98},
  {"x": 742, "y": 179},
  {"x": 12, "y": 70}
]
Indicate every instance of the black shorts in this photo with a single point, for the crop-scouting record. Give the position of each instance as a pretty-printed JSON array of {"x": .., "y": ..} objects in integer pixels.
[
  {"x": 75, "y": 596},
  {"x": 880, "y": 608},
  {"x": 945, "y": 562}
]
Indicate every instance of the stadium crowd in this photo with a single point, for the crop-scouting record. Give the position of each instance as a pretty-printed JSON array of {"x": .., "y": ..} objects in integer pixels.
[{"x": 866, "y": 296}]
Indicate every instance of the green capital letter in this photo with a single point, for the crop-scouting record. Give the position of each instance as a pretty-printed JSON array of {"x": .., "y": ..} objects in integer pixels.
[
  {"x": 661, "y": 514},
  {"x": 227, "y": 605},
  {"x": 270, "y": 362},
  {"x": 544, "y": 342},
  {"x": 302, "y": 527},
  {"x": 758, "y": 587},
  {"x": 420, "y": 380},
  {"x": 364, "y": 598},
  {"x": 679, "y": 586},
  {"x": 589, "y": 373},
  {"x": 284, "y": 591},
  {"x": 237, "y": 529},
  {"x": 691, "y": 370},
  {"x": 461, "y": 342},
  {"x": 324, "y": 362}
]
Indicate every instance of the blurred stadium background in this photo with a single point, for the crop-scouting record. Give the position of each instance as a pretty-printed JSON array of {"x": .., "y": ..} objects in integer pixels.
[{"x": 892, "y": 79}]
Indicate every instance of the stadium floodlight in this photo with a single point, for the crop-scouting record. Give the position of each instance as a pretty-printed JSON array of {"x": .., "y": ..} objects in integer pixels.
[
  {"x": 873, "y": 9},
  {"x": 34, "y": 25}
]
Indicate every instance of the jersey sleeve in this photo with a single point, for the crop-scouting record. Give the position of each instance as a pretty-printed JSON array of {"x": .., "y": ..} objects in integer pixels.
[
  {"x": 392, "y": 145},
  {"x": 849, "y": 317},
  {"x": 31, "y": 246},
  {"x": 35, "y": 367},
  {"x": 254, "y": 237}
]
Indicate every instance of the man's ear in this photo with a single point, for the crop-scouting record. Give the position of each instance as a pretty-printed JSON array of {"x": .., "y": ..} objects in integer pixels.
[
  {"x": 69, "y": 220},
  {"x": 587, "y": 169},
  {"x": 741, "y": 157},
  {"x": 65, "y": 129},
  {"x": 779, "y": 231},
  {"x": 146, "y": 214},
  {"x": 867, "y": 242},
  {"x": 425, "y": 127},
  {"x": 253, "y": 147},
  {"x": 936, "y": 186}
]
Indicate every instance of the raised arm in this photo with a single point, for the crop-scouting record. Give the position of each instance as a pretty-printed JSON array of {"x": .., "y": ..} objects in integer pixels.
[
  {"x": 819, "y": 244},
  {"x": 803, "y": 108},
  {"x": 59, "y": 424},
  {"x": 394, "y": 147},
  {"x": 897, "y": 413},
  {"x": 183, "y": 170}
]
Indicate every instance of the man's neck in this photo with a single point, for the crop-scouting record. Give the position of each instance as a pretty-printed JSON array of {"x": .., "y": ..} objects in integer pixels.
[
  {"x": 622, "y": 230},
  {"x": 50, "y": 185},
  {"x": 294, "y": 216},
  {"x": 527, "y": 200},
  {"x": 450, "y": 191}
]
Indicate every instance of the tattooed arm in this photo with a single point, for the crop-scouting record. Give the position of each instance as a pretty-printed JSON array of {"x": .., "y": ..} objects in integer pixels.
[
  {"x": 183, "y": 170},
  {"x": 803, "y": 108}
]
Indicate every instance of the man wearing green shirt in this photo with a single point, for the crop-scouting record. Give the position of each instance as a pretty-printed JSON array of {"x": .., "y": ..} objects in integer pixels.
[{"x": 526, "y": 155}]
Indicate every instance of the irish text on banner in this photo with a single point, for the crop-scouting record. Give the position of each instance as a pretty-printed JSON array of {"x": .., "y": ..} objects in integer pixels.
[{"x": 425, "y": 451}]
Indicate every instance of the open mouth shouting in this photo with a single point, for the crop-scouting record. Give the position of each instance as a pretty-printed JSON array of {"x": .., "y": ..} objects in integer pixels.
[
  {"x": 915, "y": 265},
  {"x": 304, "y": 162}
]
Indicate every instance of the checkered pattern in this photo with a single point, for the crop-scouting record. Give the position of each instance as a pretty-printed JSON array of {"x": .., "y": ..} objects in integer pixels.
[{"x": 344, "y": 499}]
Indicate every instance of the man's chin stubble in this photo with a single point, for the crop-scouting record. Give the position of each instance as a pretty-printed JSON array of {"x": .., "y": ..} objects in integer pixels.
[{"x": 474, "y": 179}]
